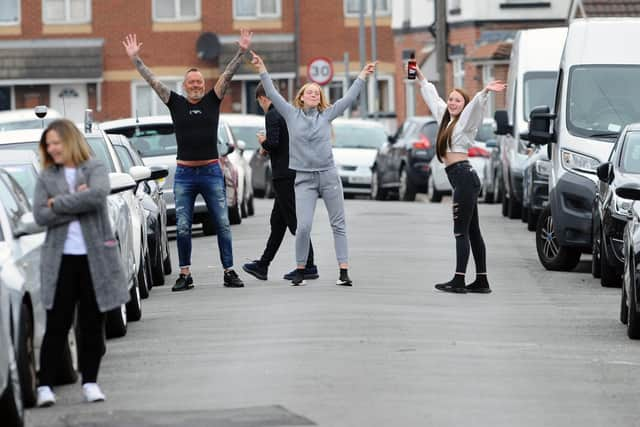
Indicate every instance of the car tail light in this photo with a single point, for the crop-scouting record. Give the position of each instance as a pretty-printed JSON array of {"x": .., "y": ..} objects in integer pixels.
[
  {"x": 478, "y": 152},
  {"x": 422, "y": 144}
]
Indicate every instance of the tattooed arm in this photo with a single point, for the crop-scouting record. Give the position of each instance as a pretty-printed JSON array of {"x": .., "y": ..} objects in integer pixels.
[
  {"x": 225, "y": 79},
  {"x": 132, "y": 47}
]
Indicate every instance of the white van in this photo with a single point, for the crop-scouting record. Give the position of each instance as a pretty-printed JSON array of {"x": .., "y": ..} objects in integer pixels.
[
  {"x": 598, "y": 93},
  {"x": 533, "y": 71}
]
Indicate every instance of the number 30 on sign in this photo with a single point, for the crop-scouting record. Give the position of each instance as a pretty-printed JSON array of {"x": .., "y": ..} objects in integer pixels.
[{"x": 320, "y": 70}]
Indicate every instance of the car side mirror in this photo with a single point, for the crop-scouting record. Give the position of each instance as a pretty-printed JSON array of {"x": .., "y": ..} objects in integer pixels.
[
  {"x": 159, "y": 172},
  {"x": 502, "y": 122},
  {"x": 120, "y": 182},
  {"x": 27, "y": 225},
  {"x": 630, "y": 191},
  {"x": 605, "y": 172},
  {"x": 539, "y": 124},
  {"x": 139, "y": 173}
]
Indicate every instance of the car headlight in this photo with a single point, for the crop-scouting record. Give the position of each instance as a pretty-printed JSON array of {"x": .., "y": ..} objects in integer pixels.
[
  {"x": 621, "y": 206},
  {"x": 579, "y": 162},
  {"x": 543, "y": 167}
]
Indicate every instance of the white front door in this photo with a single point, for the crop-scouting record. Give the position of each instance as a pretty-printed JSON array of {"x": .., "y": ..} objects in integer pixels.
[{"x": 70, "y": 100}]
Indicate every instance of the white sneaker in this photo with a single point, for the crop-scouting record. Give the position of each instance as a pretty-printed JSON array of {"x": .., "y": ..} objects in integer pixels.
[
  {"x": 45, "y": 397},
  {"x": 92, "y": 392}
]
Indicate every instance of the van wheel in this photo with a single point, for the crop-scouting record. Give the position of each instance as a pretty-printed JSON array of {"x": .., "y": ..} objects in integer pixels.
[
  {"x": 608, "y": 276},
  {"x": 26, "y": 358},
  {"x": 633, "y": 320},
  {"x": 116, "y": 322},
  {"x": 11, "y": 408},
  {"x": 553, "y": 256}
]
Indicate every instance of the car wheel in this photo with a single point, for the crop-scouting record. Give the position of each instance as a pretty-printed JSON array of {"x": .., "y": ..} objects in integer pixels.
[
  {"x": 553, "y": 256},
  {"x": 608, "y": 276},
  {"x": 234, "y": 215},
  {"x": 141, "y": 278},
  {"x": 624, "y": 313},
  {"x": 532, "y": 220},
  {"x": 513, "y": 208},
  {"x": 595, "y": 250},
  {"x": 166, "y": 264},
  {"x": 250, "y": 209},
  {"x": 26, "y": 358},
  {"x": 156, "y": 267},
  {"x": 134, "y": 306},
  {"x": 407, "y": 191},
  {"x": 633, "y": 320},
  {"x": 11, "y": 408},
  {"x": 435, "y": 196},
  {"x": 488, "y": 196},
  {"x": 243, "y": 209},
  {"x": 377, "y": 192},
  {"x": 505, "y": 206},
  {"x": 116, "y": 322},
  {"x": 524, "y": 214}
]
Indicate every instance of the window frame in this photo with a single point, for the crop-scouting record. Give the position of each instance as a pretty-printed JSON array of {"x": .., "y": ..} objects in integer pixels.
[
  {"x": 18, "y": 18},
  {"x": 379, "y": 12},
  {"x": 67, "y": 12},
  {"x": 178, "y": 17},
  {"x": 276, "y": 15},
  {"x": 153, "y": 110}
]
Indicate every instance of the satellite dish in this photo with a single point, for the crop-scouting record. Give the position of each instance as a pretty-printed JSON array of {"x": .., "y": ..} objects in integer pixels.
[{"x": 208, "y": 47}]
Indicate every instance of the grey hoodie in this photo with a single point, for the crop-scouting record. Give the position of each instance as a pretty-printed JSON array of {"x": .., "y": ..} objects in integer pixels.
[{"x": 310, "y": 129}]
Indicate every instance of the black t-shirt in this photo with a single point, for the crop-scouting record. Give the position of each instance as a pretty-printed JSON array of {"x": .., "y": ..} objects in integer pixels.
[{"x": 196, "y": 126}]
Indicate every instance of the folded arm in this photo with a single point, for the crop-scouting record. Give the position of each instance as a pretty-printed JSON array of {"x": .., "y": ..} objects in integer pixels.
[
  {"x": 42, "y": 213},
  {"x": 87, "y": 200}
]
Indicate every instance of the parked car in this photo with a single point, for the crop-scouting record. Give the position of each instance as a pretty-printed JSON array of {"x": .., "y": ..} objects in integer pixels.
[
  {"x": 629, "y": 301},
  {"x": 401, "y": 168},
  {"x": 596, "y": 97},
  {"x": 149, "y": 194},
  {"x": 535, "y": 185},
  {"x": 355, "y": 144},
  {"x": 119, "y": 214},
  {"x": 26, "y": 118},
  {"x": 610, "y": 211},
  {"x": 486, "y": 134},
  {"x": 11, "y": 407},
  {"x": 154, "y": 138},
  {"x": 240, "y": 160},
  {"x": 244, "y": 128}
]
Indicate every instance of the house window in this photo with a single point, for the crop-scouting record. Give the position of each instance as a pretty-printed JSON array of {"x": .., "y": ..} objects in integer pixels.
[
  {"x": 458, "y": 71},
  {"x": 5, "y": 98},
  {"x": 66, "y": 11},
  {"x": 9, "y": 12},
  {"x": 176, "y": 10},
  {"x": 352, "y": 7},
  {"x": 256, "y": 9},
  {"x": 146, "y": 102}
]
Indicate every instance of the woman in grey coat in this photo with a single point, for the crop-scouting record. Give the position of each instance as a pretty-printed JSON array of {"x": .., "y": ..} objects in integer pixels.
[{"x": 80, "y": 263}]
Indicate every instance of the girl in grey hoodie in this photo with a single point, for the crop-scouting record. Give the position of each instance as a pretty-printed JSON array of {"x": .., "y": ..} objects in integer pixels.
[{"x": 310, "y": 155}]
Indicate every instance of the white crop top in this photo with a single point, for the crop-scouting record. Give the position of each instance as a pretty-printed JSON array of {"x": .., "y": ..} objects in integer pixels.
[{"x": 470, "y": 119}]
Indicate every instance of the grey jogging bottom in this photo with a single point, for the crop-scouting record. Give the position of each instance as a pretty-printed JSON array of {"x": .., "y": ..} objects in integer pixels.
[{"x": 309, "y": 186}]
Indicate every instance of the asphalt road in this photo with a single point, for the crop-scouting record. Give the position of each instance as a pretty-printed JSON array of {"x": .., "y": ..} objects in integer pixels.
[{"x": 544, "y": 349}]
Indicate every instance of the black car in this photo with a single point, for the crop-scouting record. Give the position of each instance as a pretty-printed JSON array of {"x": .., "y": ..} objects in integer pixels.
[
  {"x": 629, "y": 302},
  {"x": 401, "y": 168},
  {"x": 535, "y": 185},
  {"x": 155, "y": 208},
  {"x": 610, "y": 211}
]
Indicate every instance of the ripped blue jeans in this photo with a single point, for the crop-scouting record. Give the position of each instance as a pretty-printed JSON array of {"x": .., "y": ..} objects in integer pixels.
[{"x": 208, "y": 181}]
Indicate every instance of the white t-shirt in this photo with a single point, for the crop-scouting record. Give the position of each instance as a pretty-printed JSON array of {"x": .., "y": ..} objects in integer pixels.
[{"x": 74, "y": 245}]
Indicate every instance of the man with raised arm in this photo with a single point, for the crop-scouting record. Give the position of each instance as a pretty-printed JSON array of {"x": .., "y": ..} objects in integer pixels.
[{"x": 195, "y": 117}]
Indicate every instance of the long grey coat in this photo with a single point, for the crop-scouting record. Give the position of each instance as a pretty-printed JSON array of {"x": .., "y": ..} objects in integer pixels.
[{"x": 90, "y": 207}]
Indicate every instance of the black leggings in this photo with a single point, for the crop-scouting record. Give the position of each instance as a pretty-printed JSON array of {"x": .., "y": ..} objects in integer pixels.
[
  {"x": 74, "y": 287},
  {"x": 466, "y": 228}
]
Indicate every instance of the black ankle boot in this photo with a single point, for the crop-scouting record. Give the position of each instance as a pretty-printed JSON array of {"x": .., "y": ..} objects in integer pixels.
[
  {"x": 480, "y": 285},
  {"x": 455, "y": 285}
]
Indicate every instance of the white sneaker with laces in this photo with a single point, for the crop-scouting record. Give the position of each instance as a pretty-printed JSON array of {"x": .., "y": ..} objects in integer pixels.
[
  {"x": 92, "y": 392},
  {"x": 45, "y": 397}
]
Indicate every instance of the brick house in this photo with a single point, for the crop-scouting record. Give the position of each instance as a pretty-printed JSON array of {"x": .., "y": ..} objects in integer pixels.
[
  {"x": 479, "y": 42},
  {"x": 68, "y": 53}
]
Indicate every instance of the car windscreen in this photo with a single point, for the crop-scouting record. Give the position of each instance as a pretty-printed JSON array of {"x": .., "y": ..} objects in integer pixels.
[
  {"x": 354, "y": 136},
  {"x": 602, "y": 99},
  {"x": 630, "y": 158},
  {"x": 25, "y": 124},
  {"x": 539, "y": 88},
  {"x": 25, "y": 174},
  {"x": 247, "y": 134}
]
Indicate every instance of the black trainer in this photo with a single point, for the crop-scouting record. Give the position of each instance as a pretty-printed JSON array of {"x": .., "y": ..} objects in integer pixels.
[
  {"x": 256, "y": 269},
  {"x": 298, "y": 278},
  {"x": 231, "y": 280},
  {"x": 183, "y": 283},
  {"x": 310, "y": 273},
  {"x": 480, "y": 285},
  {"x": 455, "y": 285},
  {"x": 344, "y": 279}
]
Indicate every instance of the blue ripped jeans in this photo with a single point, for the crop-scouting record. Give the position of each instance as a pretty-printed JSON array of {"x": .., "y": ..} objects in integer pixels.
[{"x": 208, "y": 181}]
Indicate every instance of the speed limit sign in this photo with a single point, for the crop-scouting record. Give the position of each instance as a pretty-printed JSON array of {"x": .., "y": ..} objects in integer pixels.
[{"x": 320, "y": 70}]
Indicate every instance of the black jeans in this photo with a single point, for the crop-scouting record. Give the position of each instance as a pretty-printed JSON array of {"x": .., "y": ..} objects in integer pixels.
[
  {"x": 74, "y": 286},
  {"x": 283, "y": 216},
  {"x": 466, "y": 228}
]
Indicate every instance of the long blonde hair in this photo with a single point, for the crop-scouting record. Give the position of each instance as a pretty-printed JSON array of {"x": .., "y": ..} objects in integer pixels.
[
  {"x": 443, "y": 140},
  {"x": 75, "y": 147},
  {"x": 324, "y": 102}
]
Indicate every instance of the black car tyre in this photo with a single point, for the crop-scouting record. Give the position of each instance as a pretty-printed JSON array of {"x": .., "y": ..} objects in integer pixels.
[
  {"x": 435, "y": 196},
  {"x": 514, "y": 208},
  {"x": 243, "y": 209},
  {"x": 553, "y": 256},
  {"x": 234, "y": 215},
  {"x": 116, "y": 322},
  {"x": 26, "y": 358},
  {"x": 377, "y": 192},
  {"x": 532, "y": 220},
  {"x": 250, "y": 209},
  {"x": 505, "y": 206},
  {"x": 488, "y": 196},
  {"x": 141, "y": 278},
  {"x": 608, "y": 276},
  {"x": 156, "y": 265},
  {"x": 624, "y": 313},
  {"x": 134, "y": 306},
  {"x": 633, "y": 320},
  {"x": 407, "y": 190},
  {"x": 11, "y": 408},
  {"x": 166, "y": 264},
  {"x": 595, "y": 250}
]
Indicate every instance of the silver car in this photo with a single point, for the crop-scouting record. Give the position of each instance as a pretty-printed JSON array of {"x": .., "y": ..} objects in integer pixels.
[{"x": 11, "y": 407}]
